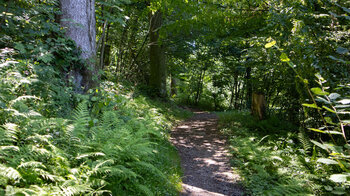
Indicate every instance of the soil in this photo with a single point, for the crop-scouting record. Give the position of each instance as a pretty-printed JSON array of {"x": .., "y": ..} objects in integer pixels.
[{"x": 204, "y": 158}]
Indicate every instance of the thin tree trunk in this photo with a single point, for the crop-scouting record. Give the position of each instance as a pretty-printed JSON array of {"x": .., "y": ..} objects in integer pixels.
[
  {"x": 173, "y": 90},
  {"x": 249, "y": 88}
]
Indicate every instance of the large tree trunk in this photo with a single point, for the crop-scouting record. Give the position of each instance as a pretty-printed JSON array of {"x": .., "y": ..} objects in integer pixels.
[
  {"x": 157, "y": 57},
  {"x": 78, "y": 17}
]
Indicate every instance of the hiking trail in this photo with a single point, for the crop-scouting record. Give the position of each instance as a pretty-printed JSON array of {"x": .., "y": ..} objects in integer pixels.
[{"x": 204, "y": 158}]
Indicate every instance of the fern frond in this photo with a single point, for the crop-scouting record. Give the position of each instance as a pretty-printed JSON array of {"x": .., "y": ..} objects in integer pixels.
[
  {"x": 71, "y": 188},
  {"x": 16, "y": 113},
  {"x": 10, "y": 133},
  {"x": 92, "y": 154},
  {"x": 81, "y": 114},
  {"x": 144, "y": 189},
  {"x": 22, "y": 98},
  {"x": 9, "y": 172},
  {"x": 304, "y": 141},
  {"x": 47, "y": 176},
  {"x": 39, "y": 151},
  {"x": 41, "y": 139},
  {"x": 81, "y": 121},
  {"x": 144, "y": 166},
  {"x": 32, "y": 164},
  {"x": 119, "y": 172},
  {"x": 104, "y": 163},
  {"x": 9, "y": 148},
  {"x": 11, "y": 190}
]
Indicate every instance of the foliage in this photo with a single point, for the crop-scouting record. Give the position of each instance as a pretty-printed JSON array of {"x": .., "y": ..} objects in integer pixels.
[
  {"x": 121, "y": 149},
  {"x": 111, "y": 143},
  {"x": 268, "y": 164}
]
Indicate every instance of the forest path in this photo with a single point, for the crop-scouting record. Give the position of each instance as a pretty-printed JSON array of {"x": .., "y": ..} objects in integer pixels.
[{"x": 204, "y": 158}]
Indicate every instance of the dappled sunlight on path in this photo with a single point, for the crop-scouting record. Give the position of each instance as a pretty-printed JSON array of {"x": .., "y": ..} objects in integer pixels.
[{"x": 204, "y": 159}]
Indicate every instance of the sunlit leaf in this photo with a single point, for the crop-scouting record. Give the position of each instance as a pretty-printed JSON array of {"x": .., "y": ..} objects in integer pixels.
[
  {"x": 284, "y": 57},
  {"x": 316, "y": 130},
  {"x": 327, "y": 161},
  {"x": 269, "y": 45},
  {"x": 339, "y": 177},
  {"x": 311, "y": 105},
  {"x": 319, "y": 144},
  {"x": 334, "y": 96},
  {"x": 319, "y": 91},
  {"x": 344, "y": 101},
  {"x": 328, "y": 109}
]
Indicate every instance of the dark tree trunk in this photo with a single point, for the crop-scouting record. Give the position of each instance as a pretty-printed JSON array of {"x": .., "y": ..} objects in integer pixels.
[
  {"x": 157, "y": 57},
  {"x": 78, "y": 18},
  {"x": 249, "y": 87}
]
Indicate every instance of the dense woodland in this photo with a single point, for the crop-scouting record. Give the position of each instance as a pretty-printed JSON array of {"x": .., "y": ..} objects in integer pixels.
[{"x": 90, "y": 90}]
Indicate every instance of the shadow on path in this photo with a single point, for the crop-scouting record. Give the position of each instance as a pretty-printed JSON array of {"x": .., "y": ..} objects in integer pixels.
[{"x": 204, "y": 159}]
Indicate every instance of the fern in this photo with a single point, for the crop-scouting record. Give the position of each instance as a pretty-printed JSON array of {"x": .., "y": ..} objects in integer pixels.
[
  {"x": 10, "y": 133},
  {"x": 305, "y": 142},
  {"x": 9, "y": 173},
  {"x": 144, "y": 190},
  {"x": 81, "y": 121}
]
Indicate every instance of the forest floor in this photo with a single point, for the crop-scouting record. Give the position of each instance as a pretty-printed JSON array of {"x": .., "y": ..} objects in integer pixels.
[{"x": 205, "y": 160}]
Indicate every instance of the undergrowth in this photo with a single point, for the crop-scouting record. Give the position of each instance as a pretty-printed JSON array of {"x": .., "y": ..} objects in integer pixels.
[
  {"x": 111, "y": 144},
  {"x": 275, "y": 158}
]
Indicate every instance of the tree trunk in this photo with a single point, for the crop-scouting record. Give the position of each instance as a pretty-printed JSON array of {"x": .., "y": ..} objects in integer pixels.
[
  {"x": 78, "y": 17},
  {"x": 173, "y": 90},
  {"x": 258, "y": 106},
  {"x": 157, "y": 57},
  {"x": 249, "y": 87}
]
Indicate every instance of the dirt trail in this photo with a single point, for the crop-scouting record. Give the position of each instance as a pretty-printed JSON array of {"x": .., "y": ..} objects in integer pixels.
[{"x": 204, "y": 159}]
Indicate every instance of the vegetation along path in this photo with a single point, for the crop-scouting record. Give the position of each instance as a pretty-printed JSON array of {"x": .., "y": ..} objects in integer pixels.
[{"x": 204, "y": 159}]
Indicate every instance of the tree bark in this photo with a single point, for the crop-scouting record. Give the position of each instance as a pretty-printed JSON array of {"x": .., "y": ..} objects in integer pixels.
[
  {"x": 157, "y": 57},
  {"x": 258, "y": 106},
  {"x": 173, "y": 90},
  {"x": 78, "y": 17}
]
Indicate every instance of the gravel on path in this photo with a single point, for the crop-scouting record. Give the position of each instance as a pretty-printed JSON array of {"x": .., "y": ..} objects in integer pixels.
[{"x": 204, "y": 158}]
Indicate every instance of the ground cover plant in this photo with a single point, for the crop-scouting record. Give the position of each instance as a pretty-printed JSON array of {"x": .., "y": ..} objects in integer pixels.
[
  {"x": 275, "y": 157},
  {"x": 110, "y": 144}
]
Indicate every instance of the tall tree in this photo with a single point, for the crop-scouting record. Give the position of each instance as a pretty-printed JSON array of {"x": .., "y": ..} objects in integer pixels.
[
  {"x": 157, "y": 57},
  {"x": 78, "y": 17}
]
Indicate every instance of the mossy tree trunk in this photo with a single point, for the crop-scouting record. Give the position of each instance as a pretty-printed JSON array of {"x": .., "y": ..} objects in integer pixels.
[{"x": 78, "y": 18}]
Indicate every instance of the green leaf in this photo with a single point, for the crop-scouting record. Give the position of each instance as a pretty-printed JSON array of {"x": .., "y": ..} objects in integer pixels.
[
  {"x": 321, "y": 99},
  {"x": 311, "y": 105},
  {"x": 337, "y": 59},
  {"x": 344, "y": 101},
  {"x": 327, "y": 161},
  {"x": 334, "y": 96},
  {"x": 339, "y": 177},
  {"x": 341, "y": 50},
  {"x": 269, "y": 45},
  {"x": 319, "y": 144},
  {"x": 284, "y": 57},
  {"x": 319, "y": 91},
  {"x": 329, "y": 109},
  {"x": 346, "y": 122},
  {"x": 316, "y": 130}
]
